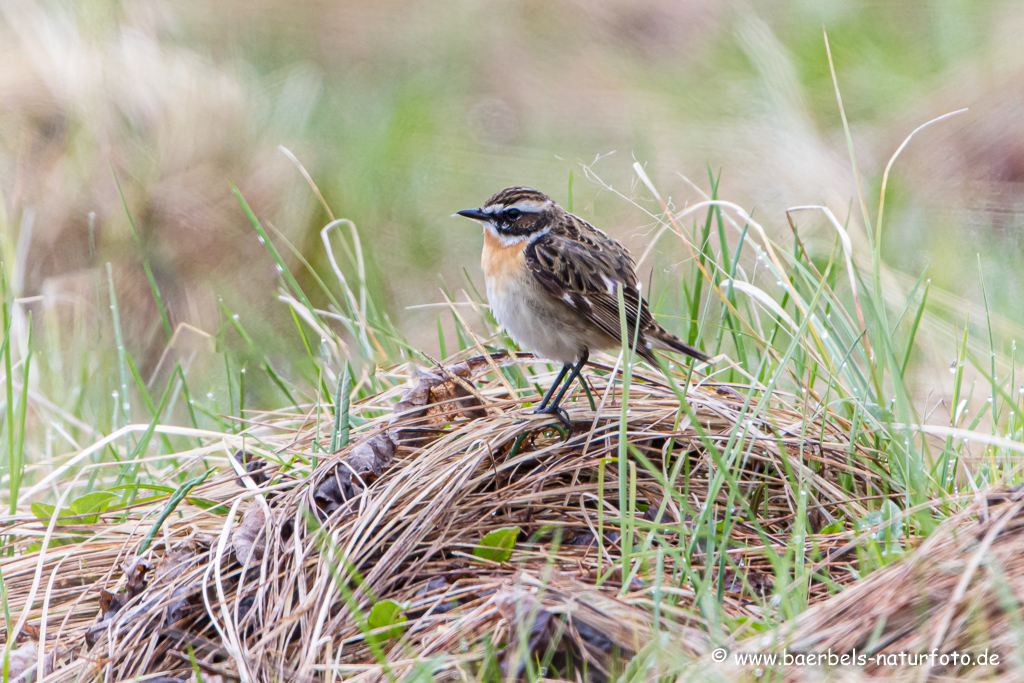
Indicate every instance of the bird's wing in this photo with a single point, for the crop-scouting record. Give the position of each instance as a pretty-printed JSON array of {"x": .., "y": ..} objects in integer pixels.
[{"x": 587, "y": 276}]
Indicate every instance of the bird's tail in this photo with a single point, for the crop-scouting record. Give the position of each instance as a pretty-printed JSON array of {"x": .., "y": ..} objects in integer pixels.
[{"x": 660, "y": 338}]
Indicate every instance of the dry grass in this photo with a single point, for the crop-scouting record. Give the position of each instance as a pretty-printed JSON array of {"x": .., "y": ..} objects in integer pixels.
[
  {"x": 958, "y": 592},
  {"x": 738, "y": 515},
  {"x": 682, "y": 514},
  {"x": 278, "y": 587}
]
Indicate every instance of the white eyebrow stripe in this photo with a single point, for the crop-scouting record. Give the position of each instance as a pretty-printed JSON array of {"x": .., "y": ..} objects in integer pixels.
[
  {"x": 531, "y": 205},
  {"x": 494, "y": 209}
]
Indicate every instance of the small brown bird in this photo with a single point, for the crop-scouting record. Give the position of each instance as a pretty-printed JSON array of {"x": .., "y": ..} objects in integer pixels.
[{"x": 553, "y": 281}]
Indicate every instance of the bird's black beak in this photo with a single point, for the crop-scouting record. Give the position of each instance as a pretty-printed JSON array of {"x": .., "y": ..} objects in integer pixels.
[{"x": 475, "y": 214}]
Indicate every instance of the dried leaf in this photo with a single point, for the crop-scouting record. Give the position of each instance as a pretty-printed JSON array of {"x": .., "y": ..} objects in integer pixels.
[
  {"x": 727, "y": 391},
  {"x": 583, "y": 537},
  {"x": 435, "y": 584},
  {"x": 253, "y": 465},
  {"x": 134, "y": 571},
  {"x": 416, "y": 417},
  {"x": 247, "y": 538},
  {"x": 175, "y": 563},
  {"x": 592, "y": 636},
  {"x": 23, "y": 661},
  {"x": 180, "y": 604},
  {"x": 523, "y": 612},
  {"x": 435, "y": 401},
  {"x": 365, "y": 459},
  {"x": 436, "y": 587}
]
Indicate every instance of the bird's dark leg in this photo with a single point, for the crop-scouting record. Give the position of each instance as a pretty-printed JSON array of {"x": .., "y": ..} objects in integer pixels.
[
  {"x": 553, "y": 408},
  {"x": 554, "y": 385},
  {"x": 572, "y": 378}
]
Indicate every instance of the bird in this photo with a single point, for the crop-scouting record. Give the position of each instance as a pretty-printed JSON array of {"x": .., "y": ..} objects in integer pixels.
[{"x": 553, "y": 281}]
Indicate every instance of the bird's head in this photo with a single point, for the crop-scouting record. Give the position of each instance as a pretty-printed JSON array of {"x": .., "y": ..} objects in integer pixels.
[{"x": 516, "y": 214}]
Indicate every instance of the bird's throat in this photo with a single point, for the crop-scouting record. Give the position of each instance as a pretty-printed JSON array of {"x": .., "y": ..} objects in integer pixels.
[{"x": 502, "y": 262}]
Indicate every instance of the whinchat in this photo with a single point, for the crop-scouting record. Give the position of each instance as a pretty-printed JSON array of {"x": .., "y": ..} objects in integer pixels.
[{"x": 553, "y": 281}]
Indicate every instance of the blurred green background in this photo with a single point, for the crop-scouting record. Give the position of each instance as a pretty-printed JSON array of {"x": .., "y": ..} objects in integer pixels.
[{"x": 404, "y": 112}]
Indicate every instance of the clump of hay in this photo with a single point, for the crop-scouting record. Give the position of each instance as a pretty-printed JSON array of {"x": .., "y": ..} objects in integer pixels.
[
  {"x": 959, "y": 591},
  {"x": 270, "y": 568}
]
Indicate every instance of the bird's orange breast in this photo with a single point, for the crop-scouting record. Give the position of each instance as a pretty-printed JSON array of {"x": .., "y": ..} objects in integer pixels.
[{"x": 502, "y": 264}]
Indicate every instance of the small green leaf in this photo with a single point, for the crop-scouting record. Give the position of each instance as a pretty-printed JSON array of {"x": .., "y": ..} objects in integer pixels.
[
  {"x": 871, "y": 519},
  {"x": 748, "y": 623},
  {"x": 880, "y": 413},
  {"x": 43, "y": 512},
  {"x": 211, "y": 505},
  {"x": 891, "y": 513},
  {"x": 890, "y": 517},
  {"x": 497, "y": 545},
  {"x": 148, "y": 487},
  {"x": 387, "y": 613},
  {"x": 54, "y": 543},
  {"x": 833, "y": 528},
  {"x": 89, "y": 504}
]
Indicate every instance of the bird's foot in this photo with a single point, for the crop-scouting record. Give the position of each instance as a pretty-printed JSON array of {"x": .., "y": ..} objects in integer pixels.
[{"x": 561, "y": 414}]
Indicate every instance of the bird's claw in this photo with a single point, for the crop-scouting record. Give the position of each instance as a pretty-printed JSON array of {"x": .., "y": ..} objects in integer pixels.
[{"x": 561, "y": 414}]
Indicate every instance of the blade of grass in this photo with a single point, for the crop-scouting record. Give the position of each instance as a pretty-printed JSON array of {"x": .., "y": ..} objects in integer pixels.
[
  {"x": 282, "y": 267},
  {"x": 340, "y": 430},
  {"x": 145, "y": 259},
  {"x": 8, "y": 374},
  {"x": 172, "y": 503},
  {"x": 913, "y": 328},
  {"x": 17, "y": 462},
  {"x": 130, "y": 468}
]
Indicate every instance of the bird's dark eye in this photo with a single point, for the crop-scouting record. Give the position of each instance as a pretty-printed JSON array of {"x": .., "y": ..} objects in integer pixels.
[{"x": 513, "y": 214}]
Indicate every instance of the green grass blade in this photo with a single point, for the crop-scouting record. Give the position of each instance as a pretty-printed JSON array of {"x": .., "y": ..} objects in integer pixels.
[
  {"x": 172, "y": 503},
  {"x": 145, "y": 260},
  {"x": 17, "y": 462},
  {"x": 340, "y": 430},
  {"x": 912, "y": 336}
]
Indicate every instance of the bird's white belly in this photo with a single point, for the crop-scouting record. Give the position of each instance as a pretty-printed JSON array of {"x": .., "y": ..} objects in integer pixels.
[{"x": 539, "y": 323}]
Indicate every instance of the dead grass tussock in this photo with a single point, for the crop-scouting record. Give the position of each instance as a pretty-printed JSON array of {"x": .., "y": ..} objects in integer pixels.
[
  {"x": 958, "y": 592},
  {"x": 272, "y": 576}
]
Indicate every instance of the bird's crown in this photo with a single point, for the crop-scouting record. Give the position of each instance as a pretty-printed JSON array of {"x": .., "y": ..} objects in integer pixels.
[
  {"x": 515, "y": 212},
  {"x": 525, "y": 199}
]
